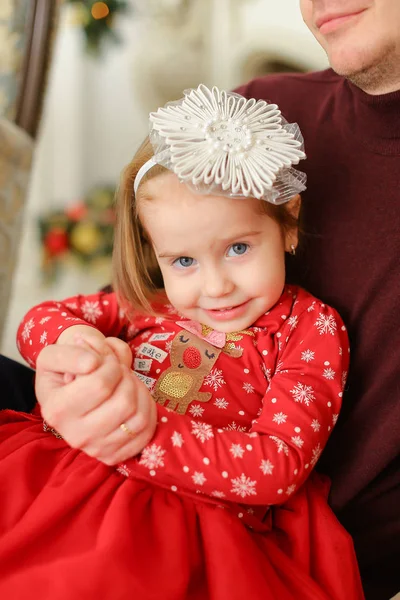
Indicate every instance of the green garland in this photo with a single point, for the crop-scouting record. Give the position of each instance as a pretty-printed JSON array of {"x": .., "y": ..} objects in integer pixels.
[
  {"x": 81, "y": 233},
  {"x": 97, "y": 20}
]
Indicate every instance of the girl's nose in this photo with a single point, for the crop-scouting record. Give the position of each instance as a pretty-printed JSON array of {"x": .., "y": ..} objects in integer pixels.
[{"x": 217, "y": 283}]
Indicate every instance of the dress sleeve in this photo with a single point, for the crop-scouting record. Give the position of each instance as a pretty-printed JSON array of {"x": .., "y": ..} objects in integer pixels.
[
  {"x": 270, "y": 462},
  {"x": 43, "y": 324}
]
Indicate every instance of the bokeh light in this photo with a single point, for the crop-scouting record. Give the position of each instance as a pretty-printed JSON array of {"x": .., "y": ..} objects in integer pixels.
[{"x": 100, "y": 10}]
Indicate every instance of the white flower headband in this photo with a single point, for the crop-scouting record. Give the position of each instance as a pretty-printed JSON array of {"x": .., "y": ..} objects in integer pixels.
[{"x": 219, "y": 142}]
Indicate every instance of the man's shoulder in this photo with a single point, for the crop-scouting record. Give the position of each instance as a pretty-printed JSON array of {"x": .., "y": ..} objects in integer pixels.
[
  {"x": 293, "y": 92},
  {"x": 281, "y": 83}
]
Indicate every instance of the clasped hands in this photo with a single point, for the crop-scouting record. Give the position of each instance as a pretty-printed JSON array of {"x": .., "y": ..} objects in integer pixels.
[{"x": 89, "y": 394}]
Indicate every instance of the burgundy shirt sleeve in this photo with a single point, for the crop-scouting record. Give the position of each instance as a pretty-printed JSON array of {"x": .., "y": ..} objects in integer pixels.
[
  {"x": 267, "y": 464},
  {"x": 44, "y": 323}
]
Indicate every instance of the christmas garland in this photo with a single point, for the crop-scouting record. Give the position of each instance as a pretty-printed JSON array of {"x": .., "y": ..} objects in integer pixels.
[
  {"x": 82, "y": 233},
  {"x": 97, "y": 20}
]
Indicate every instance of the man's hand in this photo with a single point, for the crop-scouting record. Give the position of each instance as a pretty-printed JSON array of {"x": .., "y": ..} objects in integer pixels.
[{"x": 99, "y": 394}]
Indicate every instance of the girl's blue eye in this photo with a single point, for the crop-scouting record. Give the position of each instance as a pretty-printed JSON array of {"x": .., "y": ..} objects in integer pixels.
[
  {"x": 184, "y": 262},
  {"x": 238, "y": 249}
]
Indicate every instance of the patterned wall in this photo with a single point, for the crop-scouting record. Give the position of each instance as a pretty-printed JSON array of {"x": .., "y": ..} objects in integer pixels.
[{"x": 15, "y": 162}]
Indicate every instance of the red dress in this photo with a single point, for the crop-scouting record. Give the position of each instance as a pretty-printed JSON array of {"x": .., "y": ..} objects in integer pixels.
[{"x": 222, "y": 503}]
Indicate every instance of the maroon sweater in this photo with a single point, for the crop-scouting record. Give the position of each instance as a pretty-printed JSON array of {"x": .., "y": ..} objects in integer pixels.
[{"x": 349, "y": 257}]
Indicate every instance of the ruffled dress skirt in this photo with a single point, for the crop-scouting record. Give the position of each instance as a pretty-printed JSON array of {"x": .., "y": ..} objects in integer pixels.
[{"x": 71, "y": 527}]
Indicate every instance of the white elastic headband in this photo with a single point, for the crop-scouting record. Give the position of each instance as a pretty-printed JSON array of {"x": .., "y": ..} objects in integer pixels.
[
  {"x": 222, "y": 143},
  {"x": 142, "y": 172}
]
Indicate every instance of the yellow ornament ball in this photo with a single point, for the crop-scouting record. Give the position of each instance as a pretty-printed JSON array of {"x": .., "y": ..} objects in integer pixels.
[
  {"x": 86, "y": 238},
  {"x": 79, "y": 15}
]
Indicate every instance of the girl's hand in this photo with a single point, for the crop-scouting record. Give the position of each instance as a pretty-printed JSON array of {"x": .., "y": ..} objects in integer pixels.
[
  {"x": 74, "y": 335},
  {"x": 89, "y": 410}
]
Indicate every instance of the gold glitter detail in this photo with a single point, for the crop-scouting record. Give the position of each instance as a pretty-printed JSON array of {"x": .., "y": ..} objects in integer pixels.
[
  {"x": 205, "y": 330},
  {"x": 238, "y": 335},
  {"x": 47, "y": 428},
  {"x": 176, "y": 385}
]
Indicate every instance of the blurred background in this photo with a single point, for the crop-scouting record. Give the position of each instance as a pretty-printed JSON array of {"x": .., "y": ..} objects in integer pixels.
[{"x": 77, "y": 80}]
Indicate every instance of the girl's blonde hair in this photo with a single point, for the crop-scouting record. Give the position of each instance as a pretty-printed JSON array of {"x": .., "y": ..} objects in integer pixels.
[{"x": 136, "y": 275}]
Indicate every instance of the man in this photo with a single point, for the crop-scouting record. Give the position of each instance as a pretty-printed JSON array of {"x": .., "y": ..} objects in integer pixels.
[{"x": 350, "y": 119}]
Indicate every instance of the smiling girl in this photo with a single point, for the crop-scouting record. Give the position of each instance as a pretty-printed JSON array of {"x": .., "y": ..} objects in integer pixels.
[{"x": 180, "y": 417}]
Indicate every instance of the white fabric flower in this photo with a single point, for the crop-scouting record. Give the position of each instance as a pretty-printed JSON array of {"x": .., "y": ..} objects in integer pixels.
[{"x": 220, "y": 142}]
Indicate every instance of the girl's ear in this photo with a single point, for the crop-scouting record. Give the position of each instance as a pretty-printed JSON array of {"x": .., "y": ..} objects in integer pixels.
[{"x": 291, "y": 234}]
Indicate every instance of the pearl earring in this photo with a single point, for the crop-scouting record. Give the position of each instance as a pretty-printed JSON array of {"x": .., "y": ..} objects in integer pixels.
[{"x": 292, "y": 249}]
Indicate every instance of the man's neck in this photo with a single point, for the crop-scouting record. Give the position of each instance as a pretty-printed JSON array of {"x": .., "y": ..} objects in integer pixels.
[{"x": 378, "y": 80}]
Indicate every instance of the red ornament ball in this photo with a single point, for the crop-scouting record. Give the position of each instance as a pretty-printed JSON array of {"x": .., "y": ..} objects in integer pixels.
[{"x": 56, "y": 241}]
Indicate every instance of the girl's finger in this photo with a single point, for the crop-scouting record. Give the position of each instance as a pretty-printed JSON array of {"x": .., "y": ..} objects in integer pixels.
[
  {"x": 93, "y": 343},
  {"x": 121, "y": 350}
]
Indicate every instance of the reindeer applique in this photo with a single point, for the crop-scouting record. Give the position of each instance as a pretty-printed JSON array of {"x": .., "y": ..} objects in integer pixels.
[{"x": 194, "y": 352}]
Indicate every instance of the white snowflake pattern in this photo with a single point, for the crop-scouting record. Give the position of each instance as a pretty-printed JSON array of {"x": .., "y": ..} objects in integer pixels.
[
  {"x": 132, "y": 332},
  {"x": 335, "y": 418},
  {"x": 267, "y": 372},
  {"x": 293, "y": 321},
  {"x": 159, "y": 320},
  {"x": 279, "y": 368},
  {"x": 196, "y": 410},
  {"x": 237, "y": 450},
  {"x": 202, "y": 431},
  {"x": 280, "y": 444},
  {"x": 71, "y": 305},
  {"x": 298, "y": 441},
  {"x": 329, "y": 373},
  {"x": 26, "y": 332},
  {"x": 168, "y": 346},
  {"x": 214, "y": 379},
  {"x": 326, "y": 324},
  {"x": 316, "y": 425},
  {"x": 248, "y": 388},
  {"x": 307, "y": 355},
  {"x": 279, "y": 418},
  {"x": 266, "y": 467},
  {"x": 199, "y": 478},
  {"x": 235, "y": 427},
  {"x": 91, "y": 311},
  {"x": 291, "y": 489},
  {"x": 243, "y": 486},
  {"x": 152, "y": 457},
  {"x": 303, "y": 393},
  {"x": 221, "y": 403},
  {"x": 44, "y": 320},
  {"x": 123, "y": 469},
  {"x": 177, "y": 439},
  {"x": 218, "y": 494},
  {"x": 43, "y": 338},
  {"x": 316, "y": 453},
  {"x": 311, "y": 308}
]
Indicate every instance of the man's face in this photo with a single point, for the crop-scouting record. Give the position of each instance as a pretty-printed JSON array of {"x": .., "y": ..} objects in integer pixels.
[{"x": 360, "y": 37}]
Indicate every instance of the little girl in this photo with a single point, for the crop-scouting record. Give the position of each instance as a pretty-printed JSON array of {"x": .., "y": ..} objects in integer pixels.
[{"x": 192, "y": 476}]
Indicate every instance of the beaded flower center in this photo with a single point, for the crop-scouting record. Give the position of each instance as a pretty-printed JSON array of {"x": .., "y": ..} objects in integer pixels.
[{"x": 230, "y": 135}]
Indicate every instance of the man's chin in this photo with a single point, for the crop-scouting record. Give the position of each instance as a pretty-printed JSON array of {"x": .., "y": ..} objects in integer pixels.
[{"x": 366, "y": 69}]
